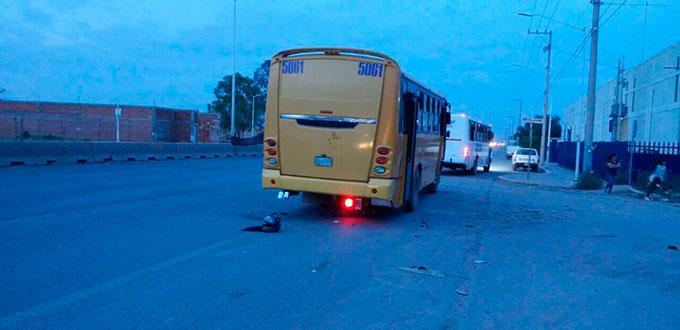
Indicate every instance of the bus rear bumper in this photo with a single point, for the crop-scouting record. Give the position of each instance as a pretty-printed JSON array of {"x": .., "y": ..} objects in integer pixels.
[{"x": 385, "y": 189}]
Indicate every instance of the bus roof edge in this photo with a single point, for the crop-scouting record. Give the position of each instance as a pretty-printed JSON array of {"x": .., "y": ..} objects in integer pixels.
[{"x": 334, "y": 51}]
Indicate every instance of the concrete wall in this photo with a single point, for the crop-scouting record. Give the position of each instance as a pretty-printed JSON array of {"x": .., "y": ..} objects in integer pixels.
[
  {"x": 96, "y": 122},
  {"x": 45, "y": 153},
  {"x": 652, "y": 99}
]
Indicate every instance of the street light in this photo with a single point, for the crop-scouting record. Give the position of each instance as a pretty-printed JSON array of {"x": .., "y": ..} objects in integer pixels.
[
  {"x": 252, "y": 118},
  {"x": 233, "y": 77},
  {"x": 582, "y": 29},
  {"x": 517, "y": 99}
]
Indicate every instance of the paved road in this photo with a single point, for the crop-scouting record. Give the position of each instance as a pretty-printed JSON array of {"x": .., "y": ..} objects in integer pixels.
[{"x": 159, "y": 245}]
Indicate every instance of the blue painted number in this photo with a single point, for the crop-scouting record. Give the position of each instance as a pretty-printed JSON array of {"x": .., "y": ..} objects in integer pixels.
[
  {"x": 293, "y": 67},
  {"x": 370, "y": 69}
]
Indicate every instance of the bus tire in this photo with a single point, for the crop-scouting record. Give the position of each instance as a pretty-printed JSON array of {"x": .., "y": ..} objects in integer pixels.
[
  {"x": 473, "y": 170},
  {"x": 432, "y": 187},
  {"x": 414, "y": 194},
  {"x": 486, "y": 168}
]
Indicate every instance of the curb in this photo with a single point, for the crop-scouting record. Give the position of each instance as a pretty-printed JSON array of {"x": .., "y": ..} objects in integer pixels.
[{"x": 508, "y": 180}]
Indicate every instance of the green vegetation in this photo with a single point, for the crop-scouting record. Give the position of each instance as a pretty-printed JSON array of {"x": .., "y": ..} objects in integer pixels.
[
  {"x": 589, "y": 181},
  {"x": 248, "y": 90}
]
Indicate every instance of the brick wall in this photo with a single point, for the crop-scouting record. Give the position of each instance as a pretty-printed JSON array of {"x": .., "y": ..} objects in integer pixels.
[{"x": 96, "y": 122}]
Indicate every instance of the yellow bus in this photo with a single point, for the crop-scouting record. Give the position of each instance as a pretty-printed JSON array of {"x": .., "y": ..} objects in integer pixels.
[{"x": 348, "y": 128}]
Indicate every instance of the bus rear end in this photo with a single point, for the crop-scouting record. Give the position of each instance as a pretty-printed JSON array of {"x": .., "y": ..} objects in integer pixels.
[
  {"x": 458, "y": 151},
  {"x": 322, "y": 127}
]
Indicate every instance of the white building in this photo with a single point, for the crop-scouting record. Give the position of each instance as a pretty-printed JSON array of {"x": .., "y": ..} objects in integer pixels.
[{"x": 651, "y": 95}]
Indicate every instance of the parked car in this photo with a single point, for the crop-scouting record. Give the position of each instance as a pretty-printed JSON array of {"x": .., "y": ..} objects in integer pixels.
[
  {"x": 525, "y": 158},
  {"x": 510, "y": 150}
]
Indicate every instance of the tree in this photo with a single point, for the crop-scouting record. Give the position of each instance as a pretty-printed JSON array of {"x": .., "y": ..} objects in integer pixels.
[
  {"x": 261, "y": 76},
  {"x": 522, "y": 133},
  {"x": 246, "y": 88}
]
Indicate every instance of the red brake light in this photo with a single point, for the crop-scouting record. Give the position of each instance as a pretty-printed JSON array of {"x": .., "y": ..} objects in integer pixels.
[
  {"x": 381, "y": 160},
  {"x": 271, "y": 142},
  {"x": 348, "y": 202},
  {"x": 383, "y": 150},
  {"x": 271, "y": 152}
]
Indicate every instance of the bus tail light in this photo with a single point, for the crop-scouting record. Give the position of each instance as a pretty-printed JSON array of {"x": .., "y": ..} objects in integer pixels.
[
  {"x": 383, "y": 151},
  {"x": 381, "y": 160},
  {"x": 271, "y": 153},
  {"x": 348, "y": 202},
  {"x": 351, "y": 203},
  {"x": 466, "y": 151}
]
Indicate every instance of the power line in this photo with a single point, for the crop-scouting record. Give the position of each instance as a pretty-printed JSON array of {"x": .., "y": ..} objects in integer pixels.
[
  {"x": 642, "y": 4},
  {"x": 614, "y": 13}
]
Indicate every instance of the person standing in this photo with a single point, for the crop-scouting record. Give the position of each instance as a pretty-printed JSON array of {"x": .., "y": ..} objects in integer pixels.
[
  {"x": 613, "y": 165},
  {"x": 656, "y": 178}
]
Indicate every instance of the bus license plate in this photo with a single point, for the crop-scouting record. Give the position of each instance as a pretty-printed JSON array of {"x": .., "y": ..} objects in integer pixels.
[{"x": 323, "y": 161}]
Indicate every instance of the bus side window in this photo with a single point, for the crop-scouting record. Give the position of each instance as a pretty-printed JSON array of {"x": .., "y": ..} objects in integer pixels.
[{"x": 437, "y": 116}]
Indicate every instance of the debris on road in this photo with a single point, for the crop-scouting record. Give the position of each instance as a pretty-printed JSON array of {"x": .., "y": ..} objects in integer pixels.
[
  {"x": 462, "y": 292},
  {"x": 480, "y": 261},
  {"x": 272, "y": 224},
  {"x": 320, "y": 266},
  {"x": 423, "y": 271},
  {"x": 674, "y": 247}
]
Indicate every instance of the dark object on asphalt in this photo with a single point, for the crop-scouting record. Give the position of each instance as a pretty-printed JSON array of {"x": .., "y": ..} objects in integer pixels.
[
  {"x": 462, "y": 292},
  {"x": 423, "y": 271},
  {"x": 674, "y": 247},
  {"x": 272, "y": 224}
]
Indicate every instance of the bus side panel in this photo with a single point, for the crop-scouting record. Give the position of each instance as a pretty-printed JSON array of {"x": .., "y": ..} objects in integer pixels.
[
  {"x": 388, "y": 123},
  {"x": 271, "y": 127},
  {"x": 387, "y": 133},
  {"x": 427, "y": 152}
]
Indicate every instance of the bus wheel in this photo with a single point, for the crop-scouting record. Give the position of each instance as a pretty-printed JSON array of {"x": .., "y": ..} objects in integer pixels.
[
  {"x": 473, "y": 170},
  {"x": 432, "y": 187},
  {"x": 414, "y": 195},
  {"x": 486, "y": 168}
]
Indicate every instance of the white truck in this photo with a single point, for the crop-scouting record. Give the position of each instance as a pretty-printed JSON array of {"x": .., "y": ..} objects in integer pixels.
[{"x": 525, "y": 158}]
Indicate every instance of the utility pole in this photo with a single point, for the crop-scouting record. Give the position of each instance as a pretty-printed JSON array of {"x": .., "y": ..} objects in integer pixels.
[
  {"x": 519, "y": 123},
  {"x": 252, "y": 118},
  {"x": 546, "y": 94},
  {"x": 590, "y": 107},
  {"x": 617, "y": 107},
  {"x": 233, "y": 78}
]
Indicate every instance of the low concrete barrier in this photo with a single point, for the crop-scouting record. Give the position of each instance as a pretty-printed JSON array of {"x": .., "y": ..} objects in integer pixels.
[
  {"x": 248, "y": 150},
  {"x": 42, "y": 153}
]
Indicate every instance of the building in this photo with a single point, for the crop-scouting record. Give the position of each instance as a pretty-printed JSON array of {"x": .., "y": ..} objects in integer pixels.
[
  {"x": 652, "y": 104},
  {"x": 99, "y": 122}
]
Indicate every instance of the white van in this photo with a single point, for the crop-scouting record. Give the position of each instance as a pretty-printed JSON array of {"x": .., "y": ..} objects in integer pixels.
[{"x": 467, "y": 144}]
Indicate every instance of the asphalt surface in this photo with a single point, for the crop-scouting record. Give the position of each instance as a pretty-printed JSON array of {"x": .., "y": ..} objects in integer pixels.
[{"x": 159, "y": 245}]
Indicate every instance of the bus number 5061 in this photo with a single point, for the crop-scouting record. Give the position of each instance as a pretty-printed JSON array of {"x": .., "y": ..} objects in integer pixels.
[{"x": 370, "y": 69}]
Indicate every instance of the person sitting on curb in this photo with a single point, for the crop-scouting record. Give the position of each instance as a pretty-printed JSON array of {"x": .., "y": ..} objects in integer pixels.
[
  {"x": 613, "y": 165},
  {"x": 656, "y": 178}
]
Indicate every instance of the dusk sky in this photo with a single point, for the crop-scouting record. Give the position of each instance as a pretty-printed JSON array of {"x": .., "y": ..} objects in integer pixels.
[{"x": 172, "y": 53}]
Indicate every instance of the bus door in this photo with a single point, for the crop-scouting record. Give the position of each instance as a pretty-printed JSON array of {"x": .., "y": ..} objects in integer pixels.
[{"x": 410, "y": 120}]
